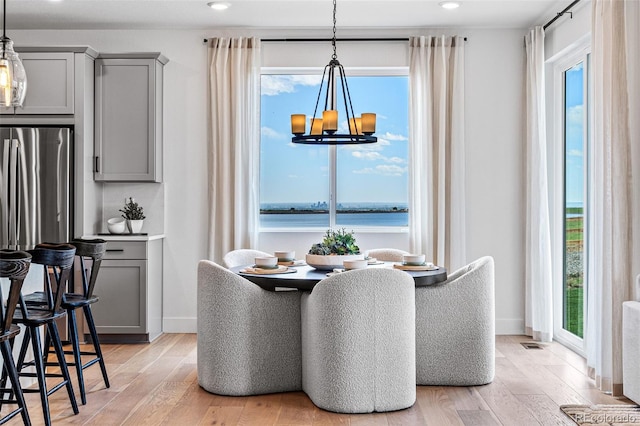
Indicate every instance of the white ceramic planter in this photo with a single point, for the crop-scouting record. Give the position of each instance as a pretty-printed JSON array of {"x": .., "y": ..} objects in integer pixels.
[
  {"x": 330, "y": 262},
  {"x": 135, "y": 226}
]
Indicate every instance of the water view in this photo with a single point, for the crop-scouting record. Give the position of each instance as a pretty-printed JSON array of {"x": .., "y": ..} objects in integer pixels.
[{"x": 310, "y": 215}]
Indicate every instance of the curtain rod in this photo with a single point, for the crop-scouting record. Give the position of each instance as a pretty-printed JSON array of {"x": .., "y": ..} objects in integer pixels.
[
  {"x": 325, "y": 40},
  {"x": 559, "y": 14}
]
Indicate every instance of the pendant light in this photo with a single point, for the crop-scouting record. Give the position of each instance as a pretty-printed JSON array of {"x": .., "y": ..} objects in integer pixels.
[
  {"x": 13, "y": 79},
  {"x": 323, "y": 130}
]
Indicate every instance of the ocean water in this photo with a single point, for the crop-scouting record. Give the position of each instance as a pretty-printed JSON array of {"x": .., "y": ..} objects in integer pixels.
[{"x": 342, "y": 219}]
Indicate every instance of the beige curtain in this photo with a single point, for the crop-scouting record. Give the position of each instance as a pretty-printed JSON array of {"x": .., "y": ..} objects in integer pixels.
[
  {"x": 436, "y": 150},
  {"x": 612, "y": 260},
  {"x": 234, "y": 144},
  {"x": 538, "y": 282}
]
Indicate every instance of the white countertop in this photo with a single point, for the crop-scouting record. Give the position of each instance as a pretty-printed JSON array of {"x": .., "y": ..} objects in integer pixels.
[{"x": 125, "y": 237}]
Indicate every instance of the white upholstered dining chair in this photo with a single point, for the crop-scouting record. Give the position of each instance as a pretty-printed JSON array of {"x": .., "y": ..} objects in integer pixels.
[
  {"x": 387, "y": 254},
  {"x": 241, "y": 257},
  {"x": 455, "y": 328},
  {"x": 248, "y": 338},
  {"x": 358, "y": 341}
]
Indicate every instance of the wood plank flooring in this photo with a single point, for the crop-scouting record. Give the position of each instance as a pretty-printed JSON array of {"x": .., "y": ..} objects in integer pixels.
[{"x": 156, "y": 384}]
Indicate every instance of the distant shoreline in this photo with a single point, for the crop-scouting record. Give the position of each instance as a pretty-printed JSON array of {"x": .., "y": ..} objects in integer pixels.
[{"x": 341, "y": 211}]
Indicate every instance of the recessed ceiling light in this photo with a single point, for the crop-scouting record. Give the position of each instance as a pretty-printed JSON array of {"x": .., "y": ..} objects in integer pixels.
[
  {"x": 449, "y": 4},
  {"x": 219, "y": 5}
]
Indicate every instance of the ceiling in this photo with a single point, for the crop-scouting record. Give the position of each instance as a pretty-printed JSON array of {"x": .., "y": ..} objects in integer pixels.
[{"x": 194, "y": 14}]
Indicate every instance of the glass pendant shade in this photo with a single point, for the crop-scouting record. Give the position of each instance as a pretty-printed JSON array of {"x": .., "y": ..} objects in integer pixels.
[{"x": 13, "y": 78}]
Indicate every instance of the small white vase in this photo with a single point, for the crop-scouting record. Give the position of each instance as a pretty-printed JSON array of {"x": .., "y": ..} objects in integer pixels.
[{"x": 135, "y": 226}]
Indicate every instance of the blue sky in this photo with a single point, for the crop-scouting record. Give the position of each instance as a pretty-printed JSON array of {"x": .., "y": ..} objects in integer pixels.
[
  {"x": 574, "y": 116},
  {"x": 366, "y": 173}
]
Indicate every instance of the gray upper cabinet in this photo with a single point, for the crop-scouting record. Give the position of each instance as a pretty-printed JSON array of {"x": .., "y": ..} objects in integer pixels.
[
  {"x": 128, "y": 117},
  {"x": 50, "y": 83}
]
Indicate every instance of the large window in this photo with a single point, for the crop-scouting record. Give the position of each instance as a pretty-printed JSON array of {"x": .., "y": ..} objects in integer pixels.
[
  {"x": 355, "y": 186},
  {"x": 572, "y": 76}
]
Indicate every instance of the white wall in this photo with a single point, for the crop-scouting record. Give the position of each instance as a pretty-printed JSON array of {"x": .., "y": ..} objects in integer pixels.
[{"x": 495, "y": 165}]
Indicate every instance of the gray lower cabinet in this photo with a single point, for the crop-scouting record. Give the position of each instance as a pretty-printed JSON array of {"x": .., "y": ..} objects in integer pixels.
[
  {"x": 128, "y": 117},
  {"x": 129, "y": 288}
]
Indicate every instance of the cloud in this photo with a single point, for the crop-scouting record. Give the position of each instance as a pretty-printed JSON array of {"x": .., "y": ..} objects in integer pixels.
[
  {"x": 272, "y": 85},
  {"x": 383, "y": 169},
  {"x": 393, "y": 137},
  {"x": 268, "y": 132},
  {"x": 376, "y": 156},
  {"x": 368, "y": 155},
  {"x": 574, "y": 153}
]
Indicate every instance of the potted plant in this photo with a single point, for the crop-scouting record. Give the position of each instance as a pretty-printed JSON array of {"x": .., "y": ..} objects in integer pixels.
[
  {"x": 134, "y": 214},
  {"x": 333, "y": 250}
]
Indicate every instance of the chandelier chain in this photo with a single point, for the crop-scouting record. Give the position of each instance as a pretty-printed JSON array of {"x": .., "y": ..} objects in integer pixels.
[{"x": 333, "y": 41}]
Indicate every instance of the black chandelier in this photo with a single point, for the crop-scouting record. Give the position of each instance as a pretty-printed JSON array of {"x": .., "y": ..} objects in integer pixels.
[{"x": 323, "y": 131}]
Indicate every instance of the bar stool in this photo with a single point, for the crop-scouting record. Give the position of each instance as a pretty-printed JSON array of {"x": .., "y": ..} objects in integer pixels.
[
  {"x": 14, "y": 265},
  {"x": 58, "y": 258},
  {"x": 94, "y": 250}
]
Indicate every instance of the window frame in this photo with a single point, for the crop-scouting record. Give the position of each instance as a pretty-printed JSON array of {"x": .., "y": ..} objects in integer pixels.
[
  {"x": 579, "y": 53},
  {"x": 375, "y": 71}
]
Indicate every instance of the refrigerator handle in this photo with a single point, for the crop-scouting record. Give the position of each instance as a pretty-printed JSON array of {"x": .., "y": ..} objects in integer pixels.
[
  {"x": 13, "y": 194},
  {"x": 97, "y": 168}
]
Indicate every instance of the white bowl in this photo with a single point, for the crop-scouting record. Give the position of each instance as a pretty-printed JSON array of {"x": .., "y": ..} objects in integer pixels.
[
  {"x": 330, "y": 262},
  {"x": 285, "y": 256},
  {"x": 116, "y": 225},
  {"x": 355, "y": 264},
  {"x": 270, "y": 262},
  {"x": 413, "y": 259}
]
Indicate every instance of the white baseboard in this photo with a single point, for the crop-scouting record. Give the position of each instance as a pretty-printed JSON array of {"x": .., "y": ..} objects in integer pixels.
[
  {"x": 509, "y": 326},
  {"x": 189, "y": 325},
  {"x": 179, "y": 325}
]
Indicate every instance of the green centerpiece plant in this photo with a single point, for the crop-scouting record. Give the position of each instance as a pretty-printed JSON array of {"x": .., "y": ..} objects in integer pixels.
[
  {"x": 335, "y": 248},
  {"x": 336, "y": 242}
]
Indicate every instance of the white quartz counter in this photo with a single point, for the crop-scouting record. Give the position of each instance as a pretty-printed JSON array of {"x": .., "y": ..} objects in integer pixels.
[{"x": 126, "y": 237}]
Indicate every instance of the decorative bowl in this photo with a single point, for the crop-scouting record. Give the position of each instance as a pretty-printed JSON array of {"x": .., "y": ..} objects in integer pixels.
[
  {"x": 331, "y": 261},
  {"x": 285, "y": 256},
  {"x": 116, "y": 225},
  {"x": 355, "y": 264},
  {"x": 267, "y": 262},
  {"x": 413, "y": 259}
]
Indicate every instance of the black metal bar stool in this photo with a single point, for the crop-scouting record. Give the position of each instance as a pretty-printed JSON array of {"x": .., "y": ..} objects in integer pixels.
[
  {"x": 94, "y": 250},
  {"x": 14, "y": 265},
  {"x": 58, "y": 261}
]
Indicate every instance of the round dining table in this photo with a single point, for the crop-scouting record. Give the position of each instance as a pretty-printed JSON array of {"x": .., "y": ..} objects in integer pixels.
[{"x": 304, "y": 277}]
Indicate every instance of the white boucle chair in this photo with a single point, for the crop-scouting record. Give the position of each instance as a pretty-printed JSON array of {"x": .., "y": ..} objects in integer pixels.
[
  {"x": 387, "y": 254},
  {"x": 248, "y": 338},
  {"x": 455, "y": 328},
  {"x": 358, "y": 341},
  {"x": 242, "y": 257},
  {"x": 631, "y": 346}
]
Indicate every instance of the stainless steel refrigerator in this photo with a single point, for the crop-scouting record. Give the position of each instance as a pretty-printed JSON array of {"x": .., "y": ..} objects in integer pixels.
[{"x": 36, "y": 165}]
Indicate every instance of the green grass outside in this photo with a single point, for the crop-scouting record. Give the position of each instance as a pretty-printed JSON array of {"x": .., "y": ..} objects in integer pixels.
[
  {"x": 573, "y": 316},
  {"x": 574, "y": 284}
]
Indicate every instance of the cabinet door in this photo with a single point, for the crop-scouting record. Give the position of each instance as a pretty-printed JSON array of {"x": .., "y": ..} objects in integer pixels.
[
  {"x": 49, "y": 83},
  {"x": 122, "y": 291},
  {"x": 127, "y": 126}
]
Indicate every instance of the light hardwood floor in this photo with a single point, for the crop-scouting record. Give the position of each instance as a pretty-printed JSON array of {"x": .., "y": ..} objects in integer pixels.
[{"x": 156, "y": 384}]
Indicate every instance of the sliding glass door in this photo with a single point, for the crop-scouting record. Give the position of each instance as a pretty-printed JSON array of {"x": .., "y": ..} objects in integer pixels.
[{"x": 571, "y": 283}]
